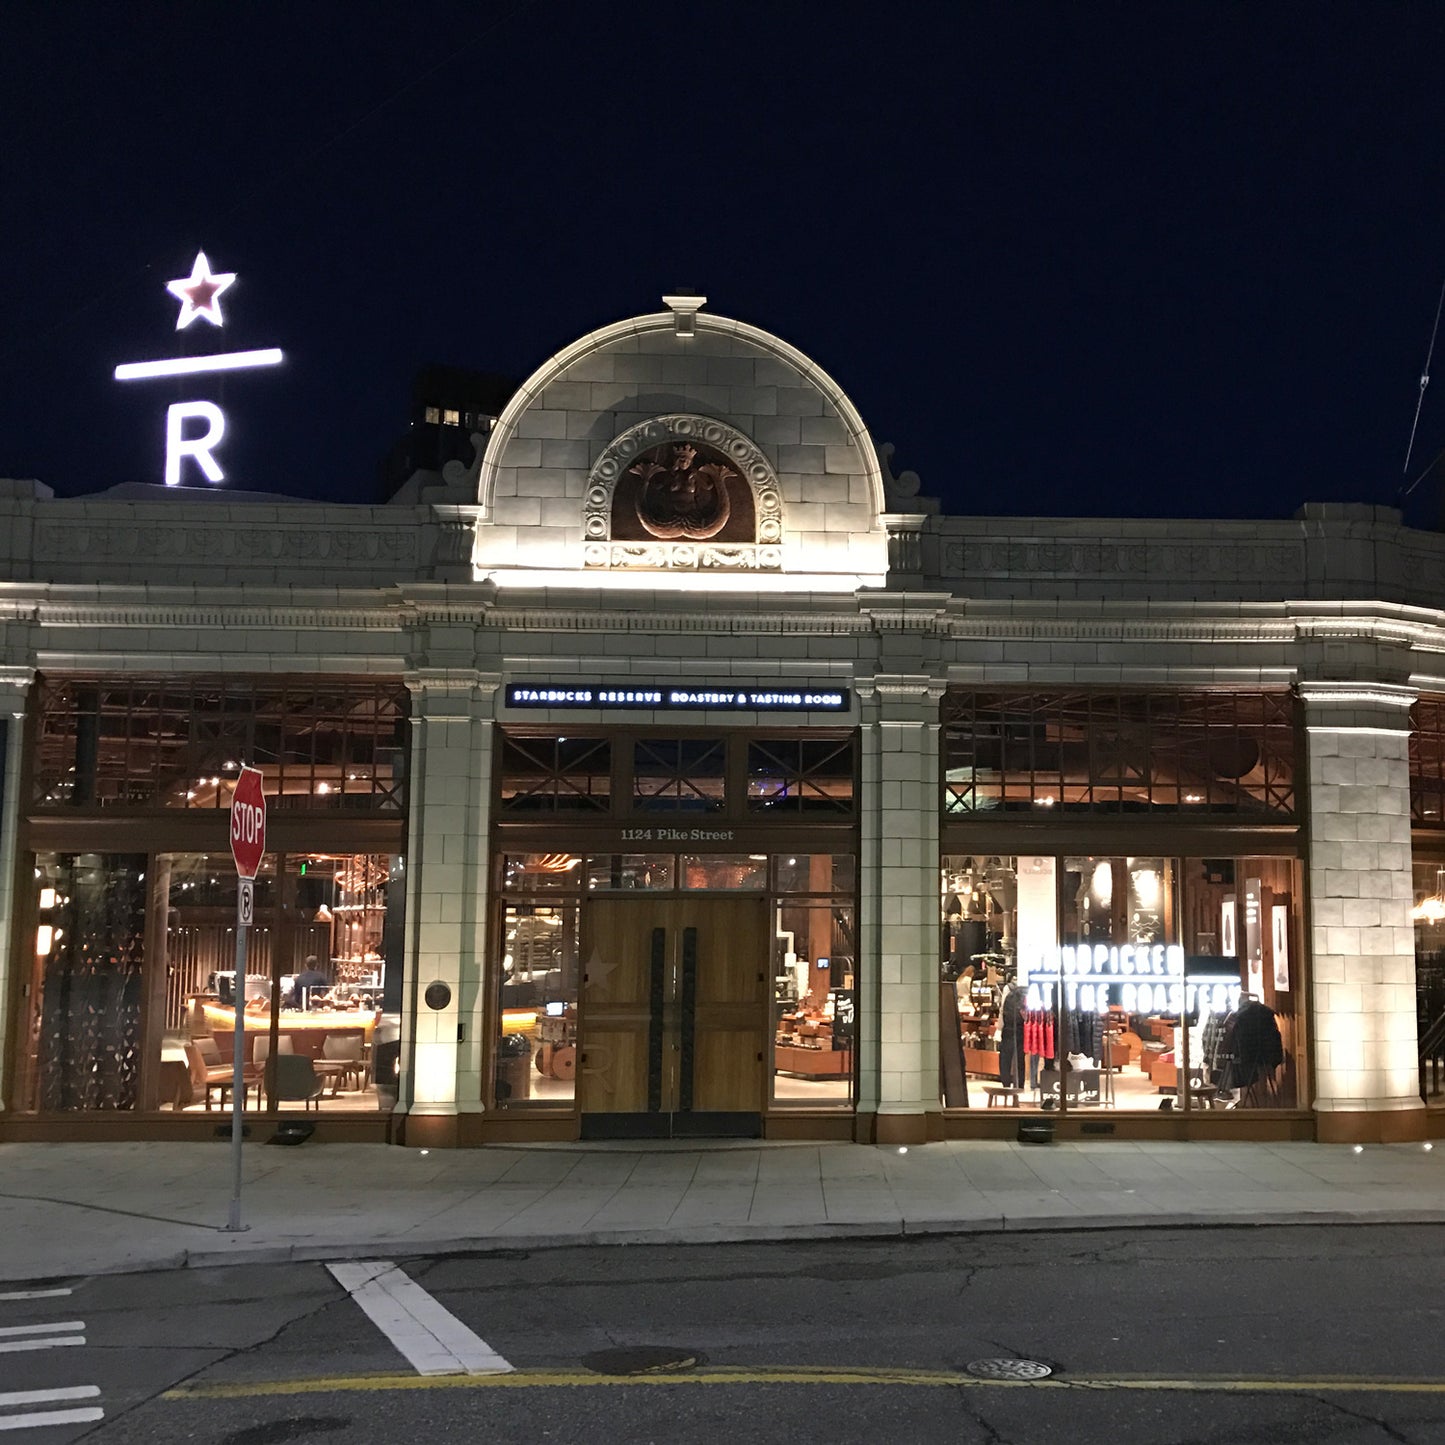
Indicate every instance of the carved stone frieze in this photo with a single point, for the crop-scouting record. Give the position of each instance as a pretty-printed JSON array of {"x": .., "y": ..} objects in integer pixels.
[{"x": 683, "y": 556}]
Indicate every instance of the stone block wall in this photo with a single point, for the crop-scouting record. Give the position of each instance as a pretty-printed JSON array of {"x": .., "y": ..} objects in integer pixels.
[
  {"x": 446, "y": 899},
  {"x": 899, "y": 896},
  {"x": 535, "y": 476},
  {"x": 1366, "y": 1068}
]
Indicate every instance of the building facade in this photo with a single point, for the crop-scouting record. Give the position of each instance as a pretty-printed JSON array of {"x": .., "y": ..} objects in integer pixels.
[{"x": 671, "y": 768}]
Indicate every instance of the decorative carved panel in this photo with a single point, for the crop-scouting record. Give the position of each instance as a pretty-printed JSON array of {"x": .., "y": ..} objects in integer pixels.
[{"x": 683, "y": 493}]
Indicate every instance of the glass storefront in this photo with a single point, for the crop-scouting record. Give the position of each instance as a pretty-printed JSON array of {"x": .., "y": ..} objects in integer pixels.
[
  {"x": 130, "y": 995},
  {"x": 811, "y": 908},
  {"x": 135, "y": 983},
  {"x": 1429, "y": 919},
  {"x": 675, "y": 927},
  {"x": 1099, "y": 982},
  {"x": 1427, "y": 819}
]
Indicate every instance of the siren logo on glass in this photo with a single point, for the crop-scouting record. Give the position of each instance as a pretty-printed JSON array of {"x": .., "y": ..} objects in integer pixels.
[{"x": 665, "y": 699}]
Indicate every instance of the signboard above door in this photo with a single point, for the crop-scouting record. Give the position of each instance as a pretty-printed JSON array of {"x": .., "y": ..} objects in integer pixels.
[{"x": 706, "y": 697}]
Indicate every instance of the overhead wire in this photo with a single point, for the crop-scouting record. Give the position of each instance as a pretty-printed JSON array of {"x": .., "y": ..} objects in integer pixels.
[{"x": 1420, "y": 402}]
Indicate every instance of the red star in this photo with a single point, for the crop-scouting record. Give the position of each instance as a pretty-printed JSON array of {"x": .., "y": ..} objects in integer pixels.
[{"x": 200, "y": 292}]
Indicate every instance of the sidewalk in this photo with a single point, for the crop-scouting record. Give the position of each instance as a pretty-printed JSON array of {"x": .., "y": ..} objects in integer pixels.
[{"x": 69, "y": 1209}]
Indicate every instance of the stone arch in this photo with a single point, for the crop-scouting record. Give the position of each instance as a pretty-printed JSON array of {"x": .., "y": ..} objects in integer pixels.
[
  {"x": 705, "y": 322},
  {"x": 762, "y": 551}
]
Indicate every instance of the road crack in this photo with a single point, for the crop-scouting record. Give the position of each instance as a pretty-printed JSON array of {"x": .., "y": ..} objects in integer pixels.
[{"x": 225, "y": 1355}]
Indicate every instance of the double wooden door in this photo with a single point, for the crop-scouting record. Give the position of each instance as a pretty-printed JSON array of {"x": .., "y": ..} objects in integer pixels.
[{"x": 674, "y": 1017}]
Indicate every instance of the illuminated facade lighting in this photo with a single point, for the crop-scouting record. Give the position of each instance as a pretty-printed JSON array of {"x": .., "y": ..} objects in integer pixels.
[
  {"x": 200, "y": 293},
  {"x": 195, "y": 365}
]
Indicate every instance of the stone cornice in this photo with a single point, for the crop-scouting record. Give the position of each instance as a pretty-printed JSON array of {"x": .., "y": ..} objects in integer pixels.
[
  {"x": 232, "y": 664},
  {"x": 384, "y": 619},
  {"x": 715, "y": 622},
  {"x": 395, "y": 609}
]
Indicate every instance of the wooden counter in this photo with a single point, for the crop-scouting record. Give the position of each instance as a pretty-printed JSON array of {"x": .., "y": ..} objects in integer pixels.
[
  {"x": 307, "y": 1031},
  {"x": 813, "y": 1063}
]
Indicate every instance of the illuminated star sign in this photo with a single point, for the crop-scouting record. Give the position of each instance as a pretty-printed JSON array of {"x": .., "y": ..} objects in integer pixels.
[{"x": 200, "y": 292}]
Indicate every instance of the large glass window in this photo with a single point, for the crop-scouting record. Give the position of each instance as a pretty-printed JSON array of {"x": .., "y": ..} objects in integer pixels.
[
  {"x": 84, "y": 1040},
  {"x": 1094, "y": 752},
  {"x": 319, "y": 1025},
  {"x": 642, "y": 776},
  {"x": 536, "y": 1059},
  {"x": 1125, "y": 982},
  {"x": 134, "y": 983},
  {"x": 800, "y": 775},
  {"x": 556, "y": 775},
  {"x": 140, "y": 745},
  {"x": 1429, "y": 918},
  {"x": 679, "y": 775},
  {"x": 815, "y": 987}
]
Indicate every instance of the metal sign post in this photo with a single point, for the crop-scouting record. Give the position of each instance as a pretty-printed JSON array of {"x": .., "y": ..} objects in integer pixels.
[{"x": 248, "y": 843}]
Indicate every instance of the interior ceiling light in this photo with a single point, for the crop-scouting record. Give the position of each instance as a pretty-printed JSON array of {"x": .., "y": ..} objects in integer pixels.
[
  {"x": 1102, "y": 885},
  {"x": 1432, "y": 909}
]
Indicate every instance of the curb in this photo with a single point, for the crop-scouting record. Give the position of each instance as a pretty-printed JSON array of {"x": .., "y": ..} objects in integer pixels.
[{"x": 813, "y": 1232}]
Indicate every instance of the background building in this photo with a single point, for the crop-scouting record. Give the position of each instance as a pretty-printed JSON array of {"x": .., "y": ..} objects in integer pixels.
[{"x": 664, "y": 765}]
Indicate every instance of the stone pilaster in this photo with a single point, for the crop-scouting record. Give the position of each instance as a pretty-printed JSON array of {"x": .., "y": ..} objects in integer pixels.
[
  {"x": 12, "y": 710},
  {"x": 1363, "y": 943},
  {"x": 451, "y": 765},
  {"x": 898, "y": 1065}
]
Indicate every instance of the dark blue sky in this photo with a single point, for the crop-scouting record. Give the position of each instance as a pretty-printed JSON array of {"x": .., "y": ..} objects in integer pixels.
[{"x": 1159, "y": 259}]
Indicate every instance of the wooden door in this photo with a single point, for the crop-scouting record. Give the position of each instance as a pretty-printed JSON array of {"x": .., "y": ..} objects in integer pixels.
[
  {"x": 674, "y": 1016},
  {"x": 623, "y": 984},
  {"x": 726, "y": 939}
]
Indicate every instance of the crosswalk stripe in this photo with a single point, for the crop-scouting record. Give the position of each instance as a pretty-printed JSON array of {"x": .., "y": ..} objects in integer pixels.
[
  {"x": 48, "y": 1397},
  {"x": 433, "y": 1340},
  {"x": 59, "y": 1327},
  {"x": 37, "y": 1418},
  {"x": 49, "y": 1342},
  {"x": 35, "y": 1294}
]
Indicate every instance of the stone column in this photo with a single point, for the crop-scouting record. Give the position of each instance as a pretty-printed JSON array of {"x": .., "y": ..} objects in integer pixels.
[
  {"x": 12, "y": 710},
  {"x": 1363, "y": 943},
  {"x": 899, "y": 901},
  {"x": 446, "y": 864}
]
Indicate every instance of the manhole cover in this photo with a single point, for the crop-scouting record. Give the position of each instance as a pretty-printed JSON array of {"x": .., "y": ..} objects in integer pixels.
[
  {"x": 1009, "y": 1369},
  {"x": 641, "y": 1360}
]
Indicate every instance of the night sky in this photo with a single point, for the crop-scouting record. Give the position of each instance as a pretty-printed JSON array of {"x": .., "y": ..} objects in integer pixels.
[{"x": 1074, "y": 259}]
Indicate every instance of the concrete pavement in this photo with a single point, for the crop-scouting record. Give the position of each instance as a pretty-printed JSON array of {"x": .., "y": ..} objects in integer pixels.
[{"x": 73, "y": 1209}]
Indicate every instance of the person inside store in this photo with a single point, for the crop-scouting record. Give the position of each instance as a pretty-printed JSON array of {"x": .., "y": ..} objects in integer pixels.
[{"x": 310, "y": 980}]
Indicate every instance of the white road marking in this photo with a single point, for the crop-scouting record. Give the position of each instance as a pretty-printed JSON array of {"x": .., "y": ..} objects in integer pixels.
[
  {"x": 58, "y": 1328},
  {"x": 433, "y": 1339},
  {"x": 37, "y": 1418},
  {"x": 35, "y": 1294},
  {"x": 48, "y": 1397},
  {"x": 51, "y": 1342}
]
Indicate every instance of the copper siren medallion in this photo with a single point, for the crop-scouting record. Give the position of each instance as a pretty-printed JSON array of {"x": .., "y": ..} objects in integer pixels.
[{"x": 683, "y": 491}]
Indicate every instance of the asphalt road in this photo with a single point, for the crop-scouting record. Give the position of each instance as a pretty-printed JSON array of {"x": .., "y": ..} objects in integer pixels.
[{"x": 1205, "y": 1337}]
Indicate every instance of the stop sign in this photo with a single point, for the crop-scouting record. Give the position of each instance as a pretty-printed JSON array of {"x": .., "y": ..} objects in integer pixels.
[{"x": 248, "y": 823}]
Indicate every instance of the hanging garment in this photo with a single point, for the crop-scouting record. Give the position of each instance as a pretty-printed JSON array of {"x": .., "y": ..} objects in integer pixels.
[
  {"x": 1258, "y": 1047},
  {"x": 1039, "y": 1033},
  {"x": 1011, "y": 1040}
]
